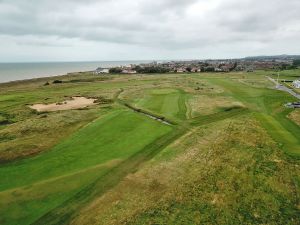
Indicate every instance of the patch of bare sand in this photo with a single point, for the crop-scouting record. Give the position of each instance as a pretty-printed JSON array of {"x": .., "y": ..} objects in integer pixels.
[
  {"x": 295, "y": 116},
  {"x": 74, "y": 103}
]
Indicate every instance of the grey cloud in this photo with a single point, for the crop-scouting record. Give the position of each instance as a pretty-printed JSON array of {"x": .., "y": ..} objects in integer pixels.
[
  {"x": 260, "y": 16},
  {"x": 173, "y": 26}
]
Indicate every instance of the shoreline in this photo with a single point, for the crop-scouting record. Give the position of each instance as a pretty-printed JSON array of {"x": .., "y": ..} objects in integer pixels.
[
  {"x": 20, "y": 71},
  {"x": 43, "y": 77}
]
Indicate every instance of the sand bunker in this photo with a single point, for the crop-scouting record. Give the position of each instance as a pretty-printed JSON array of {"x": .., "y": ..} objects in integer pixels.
[{"x": 74, "y": 103}]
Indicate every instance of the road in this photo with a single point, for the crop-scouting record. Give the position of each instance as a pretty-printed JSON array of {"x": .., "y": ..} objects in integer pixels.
[{"x": 284, "y": 88}]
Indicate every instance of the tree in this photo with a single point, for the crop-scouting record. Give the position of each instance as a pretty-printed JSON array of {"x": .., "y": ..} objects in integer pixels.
[
  {"x": 57, "y": 82},
  {"x": 296, "y": 62},
  {"x": 115, "y": 70},
  {"x": 152, "y": 69},
  {"x": 189, "y": 69}
]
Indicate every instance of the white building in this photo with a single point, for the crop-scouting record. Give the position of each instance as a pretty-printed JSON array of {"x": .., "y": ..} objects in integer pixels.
[
  {"x": 101, "y": 70},
  {"x": 128, "y": 71},
  {"x": 296, "y": 83}
]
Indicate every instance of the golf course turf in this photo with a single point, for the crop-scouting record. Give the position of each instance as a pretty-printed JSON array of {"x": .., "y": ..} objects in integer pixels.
[{"x": 61, "y": 167}]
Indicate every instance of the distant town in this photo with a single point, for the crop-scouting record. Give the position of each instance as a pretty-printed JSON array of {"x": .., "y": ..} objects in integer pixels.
[{"x": 248, "y": 64}]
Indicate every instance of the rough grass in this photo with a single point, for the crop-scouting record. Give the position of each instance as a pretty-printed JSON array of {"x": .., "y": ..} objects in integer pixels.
[
  {"x": 205, "y": 104},
  {"x": 40, "y": 132},
  {"x": 207, "y": 177},
  {"x": 295, "y": 116},
  {"x": 269, "y": 109}
]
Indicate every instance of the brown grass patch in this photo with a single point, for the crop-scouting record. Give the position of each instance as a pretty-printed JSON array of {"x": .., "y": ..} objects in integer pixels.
[
  {"x": 295, "y": 116},
  {"x": 205, "y": 105}
]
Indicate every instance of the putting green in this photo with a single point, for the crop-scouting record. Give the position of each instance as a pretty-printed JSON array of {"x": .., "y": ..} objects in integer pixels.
[{"x": 170, "y": 103}]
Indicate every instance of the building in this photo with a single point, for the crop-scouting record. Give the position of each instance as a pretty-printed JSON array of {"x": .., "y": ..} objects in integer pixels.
[
  {"x": 218, "y": 69},
  {"x": 195, "y": 70},
  {"x": 250, "y": 69},
  {"x": 180, "y": 70},
  {"x": 128, "y": 71},
  {"x": 296, "y": 83},
  {"x": 101, "y": 70},
  {"x": 293, "y": 105},
  {"x": 225, "y": 68}
]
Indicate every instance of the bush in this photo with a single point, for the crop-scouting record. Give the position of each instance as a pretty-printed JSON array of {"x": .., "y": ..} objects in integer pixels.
[
  {"x": 296, "y": 62},
  {"x": 189, "y": 69},
  {"x": 57, "y": 82},
  {"x": 287, "y": 67},
  {"x": 115, "y": 70},
  {"x": 151, "y": 69}
]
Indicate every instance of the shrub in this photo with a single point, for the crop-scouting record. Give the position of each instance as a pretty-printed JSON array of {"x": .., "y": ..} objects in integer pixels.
[
  {"x": 57, "y": 82},
  {"x": 115, "y": 70}
]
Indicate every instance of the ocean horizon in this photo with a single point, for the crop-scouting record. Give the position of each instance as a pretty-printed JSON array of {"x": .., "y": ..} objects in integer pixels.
[{"x": 28, "y": 70}]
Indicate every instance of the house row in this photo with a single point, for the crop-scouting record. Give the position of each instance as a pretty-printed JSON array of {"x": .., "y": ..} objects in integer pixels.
[
  {"x": 125, "y": 70},
  {"x": 194, "y": 66},
  {"x": 128, "y": 71},
  {"x": 101, "y": 70}
]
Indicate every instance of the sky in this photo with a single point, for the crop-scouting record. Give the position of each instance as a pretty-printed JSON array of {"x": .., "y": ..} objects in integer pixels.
[{"x": 104, "y": 30}]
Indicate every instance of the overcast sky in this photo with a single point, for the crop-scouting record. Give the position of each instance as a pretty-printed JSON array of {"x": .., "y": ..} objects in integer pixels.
[{"x": 74, "y": 30}]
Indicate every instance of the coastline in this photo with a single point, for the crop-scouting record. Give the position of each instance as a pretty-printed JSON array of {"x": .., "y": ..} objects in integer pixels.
[
  {"x": 43, "y": 78},
  {"x": 14, "y": 72}
]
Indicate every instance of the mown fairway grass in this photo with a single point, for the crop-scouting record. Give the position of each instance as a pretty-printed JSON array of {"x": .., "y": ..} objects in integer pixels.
[{"x": 102, "y": 143}]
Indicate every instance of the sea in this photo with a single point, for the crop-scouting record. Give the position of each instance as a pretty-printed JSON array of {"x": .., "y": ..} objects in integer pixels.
[{"x": 21, "y": 71}]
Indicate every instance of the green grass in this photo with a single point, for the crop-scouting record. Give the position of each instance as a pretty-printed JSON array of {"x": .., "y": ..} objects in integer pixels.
[
  {"x": 112, "y": 137},
  {"x": 24, "y": 205},
  {"x": 226, "y": 172},
  {"x": 269, "y": 109},
  {"x": 64, "y": 213},
  {"x": 14, "y": 101},
  {"x": 170, "y": 103},
  {"x": 84, "y": 155}
]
